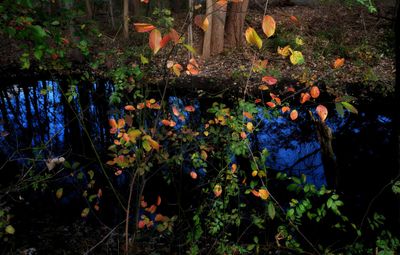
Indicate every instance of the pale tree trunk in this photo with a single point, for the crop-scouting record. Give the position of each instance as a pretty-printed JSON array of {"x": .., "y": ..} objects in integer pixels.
[
  {"x": 235, "y": 24},
  {"x": 190, "y": 27},
  {"x": 397, "y": 89},
  {"x": 111, "y": 9},
  {"x": 89, "y": 11},
  {"x": 206, "y": 53},
  {"x": 126, "y": 19},
  {"x": 218, "y": 29}
]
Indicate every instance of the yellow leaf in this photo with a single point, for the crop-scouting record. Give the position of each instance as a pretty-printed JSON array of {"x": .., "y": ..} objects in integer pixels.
[
  {"x": 285, "y": 51},
  {"x": 59, "y": 193},
  {"x": 10, "y": 230},
  {"x": 250, "y": 126},
  {"x": 133, "y": 135},
  {"x": 263, "y": 87},
  {"x": 85, "y": 212},
  {"x": 153, "y": 144},
  {"x": 253, "y": 38},
  {"x": 297, "y": 58},
  {"x": 268, "y": 26},
  {"x": 299, "y": 41},
  {"x": 264, "y": 194}
]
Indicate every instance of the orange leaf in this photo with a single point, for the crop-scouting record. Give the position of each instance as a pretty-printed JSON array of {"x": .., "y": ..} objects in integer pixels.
[
  {"x": 193, "y": 174},
  {"x": 255, "y": 193},
  {"x": 112, "y": 123},
  {"x": 339, "y": 62},
  {"x": 263, "y": 87},
  {"x": 234, "y": 168},
  {"x": 202, "y": 22},
  {"x": 175, "y": 111},
  {"x": 285, "y": 109},
  {"x": 166, "y": 122},
  {"x": 294, "y": 19},
  {"x": 271, "y": 104},
  {"x": 264, "y": 194},
  {"x": 222, "y": 2},
  {"x": 144, "y": 1},
  {"x": 177, "y": 68},
  {"x": 243, "y": 135},
  {"x": 269, "y": 80},
  {"x": 258, "y": 100},
  {"x": 140, "y": 106},
  {"x": 291, "y": 89},
  {"x": 155, "y": 40},
  {"x": 151, "y": 209},
  {"x": 322, "y": 112},
  {"x": 248, "y": 115},
  {"x": 190, "y": 108},
  {"x": 129, "y": 108},
  {"x": 304, "y": 97},
  {"x": 141, "y": 224},
  {"x": 191, "y": 69},
  {"x": 121, "y": 123},
  {"x": 159, "y": 217},
  {"x": 314, "y": 92},
  {"x": 143, "y": 27},
  {"x": 174, "y": 36},
  {"x": 158, "y": 201},
  {"x": 268, "y": 25},
  {"x": 294, "y": 114}
]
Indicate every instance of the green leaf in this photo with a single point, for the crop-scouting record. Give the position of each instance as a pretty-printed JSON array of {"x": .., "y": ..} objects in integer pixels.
[
  {"x": 271, "y": 210},
  {"x": 59, "y": 193},
  {"x": 10, "y": 230},
  {"x": 55, "y": 23},
  {"x": 143, "y": 59},
  {"x": 297, "y": 58},
  {"x": 146, "y": 145},
  {"x": 339, "y": 109},
  {"x": 350, "y": 107},
  {"x": 38, "y": 53},
  {"x": 190, "y": 48},
  {"x": 91, "y": 174},
  {"x": 39, "y": 32}
]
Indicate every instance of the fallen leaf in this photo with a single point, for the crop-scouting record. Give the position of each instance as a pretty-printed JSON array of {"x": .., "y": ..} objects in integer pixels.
[
  {"x": 339, "y": 62},
  {"x": 314, "y": 91},
  {"x": 269, "y": 80}
]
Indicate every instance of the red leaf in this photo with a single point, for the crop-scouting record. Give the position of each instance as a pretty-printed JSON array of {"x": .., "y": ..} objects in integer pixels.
[
  {"x": 158, "y": 201},
  {"x": 189, "y": 108},
  {"x": 193, "y": 174},
  {"x": 269, "y": 80}
]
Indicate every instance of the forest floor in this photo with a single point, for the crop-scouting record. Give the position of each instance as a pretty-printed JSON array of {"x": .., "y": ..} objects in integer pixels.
[{"x": 329, "y": 31}]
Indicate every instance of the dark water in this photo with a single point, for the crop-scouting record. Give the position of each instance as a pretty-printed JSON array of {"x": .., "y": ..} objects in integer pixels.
[{"x": 37, "y": 122}]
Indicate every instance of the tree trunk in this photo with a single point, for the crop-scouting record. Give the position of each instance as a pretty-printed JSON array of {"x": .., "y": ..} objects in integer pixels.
[
  {"x": 235, "y": 23},
  {"x": 397, "y": 88},
  {"x": 111, "y": 9},
  {"x": 89, "y": 11},
  {"x": 126, "y": 19},
  {"x": 207, "y": 35},
  {"x": 218, "y": 28}
]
